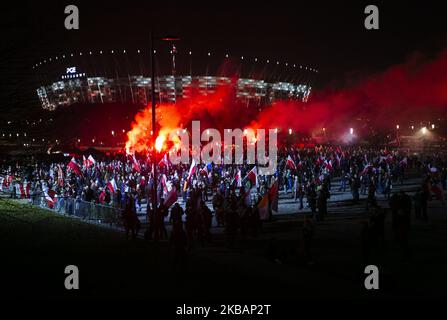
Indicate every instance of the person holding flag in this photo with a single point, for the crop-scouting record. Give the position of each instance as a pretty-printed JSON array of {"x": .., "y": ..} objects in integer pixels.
[
  {"x": 74, "y": 166},
  {"x": 191, "y": 172}
]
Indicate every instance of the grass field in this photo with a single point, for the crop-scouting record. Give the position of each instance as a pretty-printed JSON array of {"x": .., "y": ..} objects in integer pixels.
[{"x": 36, "y": 245}]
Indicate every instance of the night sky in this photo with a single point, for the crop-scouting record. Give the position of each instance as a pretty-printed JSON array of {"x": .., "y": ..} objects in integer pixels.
[{"x": 328, "y": 35}]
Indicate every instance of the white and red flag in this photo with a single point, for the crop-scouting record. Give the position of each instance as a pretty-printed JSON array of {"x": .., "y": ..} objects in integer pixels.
[
  {"x": 328, "y": 164},
  {"x": 50, "y": 197},
  {"x": 60, "y": 176},
  {"x": 164, "y": 162},
  {"x": 136, "y": 165},
  {"x": 238, "y": 178},
  {"x": 74, "y": 166},
  {"x": 366, "y": 169},
  {"x": 191, "y": 172},
  {"x": 111, "y": 185},
  {"x": 252, "y": 177},
  {"x": 171, "y": 198},
  {"x": 290, "y": 163},
  {"x": 91, "y": 160},
  {"x": 164, "y": 183},
  {"x": 192, "y": 169}
]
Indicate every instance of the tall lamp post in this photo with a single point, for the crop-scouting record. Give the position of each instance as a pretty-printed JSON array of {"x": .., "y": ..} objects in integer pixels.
[{"x": 154, "y": 127}]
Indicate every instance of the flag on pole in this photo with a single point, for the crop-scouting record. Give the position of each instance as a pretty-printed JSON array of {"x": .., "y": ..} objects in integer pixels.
[
  {"x": 60, "y": 176},
  {"x": 74, "y": 166},
  {"x": 163, "y": 183},
  {"x": 290, "y": 163},
  {"x": 164, "y": 162},
  {"x": 263, "y": 207},
  {"x": 204, "y": 171},
  {"x": 111, "y": 185},
  {"x": 91, "y": 161},
  {"x": 171, "y": 198},
  {"x": 366, "y": 169},
  {"x": 50, "y": 197},
  {"x": 252, "y": 178},
  {"x": 191, "y": 172},
  {"x": 273, "y": 195},
  {"x": 136, "y": 165},
  {"x": 238, "y": 178},
  {"x": 84, "y": 162},
  {"x": 328, "y": 164},
  {"x": 192, "y": 169}
]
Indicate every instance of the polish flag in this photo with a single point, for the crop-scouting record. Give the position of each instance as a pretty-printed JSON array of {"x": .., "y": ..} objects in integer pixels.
[
  {"x": 192, "y": 169},
  {"x": 164, "y": 162},
  {"x": 263, "y": 207},
  {"x": 60, "y": 176},
  {"x": 366, "y": 169},
  {"x": 328, "y": 164},
  {"x": 19, "y": 190},
  {"x": 163, "y": 183},
  {"x": 171, "y": 198},
  {"x": 84, "y": 162},
  {"x": 51, "y": 199},
  {"x": 74, "y": 166},
  {"x": 252, "y": 176},
  {"x": 204, "y": 171},
  {"x": 136, "y": 165},
  {"x": 290, "y": 163},
  {"x": 273, "y": 195},
  {"x": 91, "y": 160},
  {"x": 111, "y": 185},
  {"x": 238, "y": 178}
]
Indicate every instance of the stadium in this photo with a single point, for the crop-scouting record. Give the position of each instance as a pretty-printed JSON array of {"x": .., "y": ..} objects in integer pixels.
[{"x": 123, "y": 76}]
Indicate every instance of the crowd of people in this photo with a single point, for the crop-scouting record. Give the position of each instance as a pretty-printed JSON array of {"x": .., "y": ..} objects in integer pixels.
[{"x": 240, "y": 198}]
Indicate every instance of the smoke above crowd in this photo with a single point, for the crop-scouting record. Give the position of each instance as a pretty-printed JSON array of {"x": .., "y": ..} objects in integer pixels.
[{"x": 408, "y": 93}]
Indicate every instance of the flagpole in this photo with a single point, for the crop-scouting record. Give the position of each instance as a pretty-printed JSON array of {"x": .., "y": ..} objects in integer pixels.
[{"x": 154, "y": 133}]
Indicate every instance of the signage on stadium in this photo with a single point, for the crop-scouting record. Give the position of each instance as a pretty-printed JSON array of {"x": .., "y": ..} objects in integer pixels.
[{"x": 71, "y": 73}]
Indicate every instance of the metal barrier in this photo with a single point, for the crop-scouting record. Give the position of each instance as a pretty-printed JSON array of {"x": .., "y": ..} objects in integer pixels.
[{"x": 75, "y": 207}]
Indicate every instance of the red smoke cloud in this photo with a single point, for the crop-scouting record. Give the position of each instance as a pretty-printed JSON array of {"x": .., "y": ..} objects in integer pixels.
[{"x": 410, "y": 92}]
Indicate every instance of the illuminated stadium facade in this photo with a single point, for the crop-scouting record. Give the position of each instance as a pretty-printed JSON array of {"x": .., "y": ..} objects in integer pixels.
[{"x": 114, "y": 78}]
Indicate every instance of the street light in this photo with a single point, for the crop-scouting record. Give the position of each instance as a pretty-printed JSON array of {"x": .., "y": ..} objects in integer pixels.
[{"x": 154, "y": 129}]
